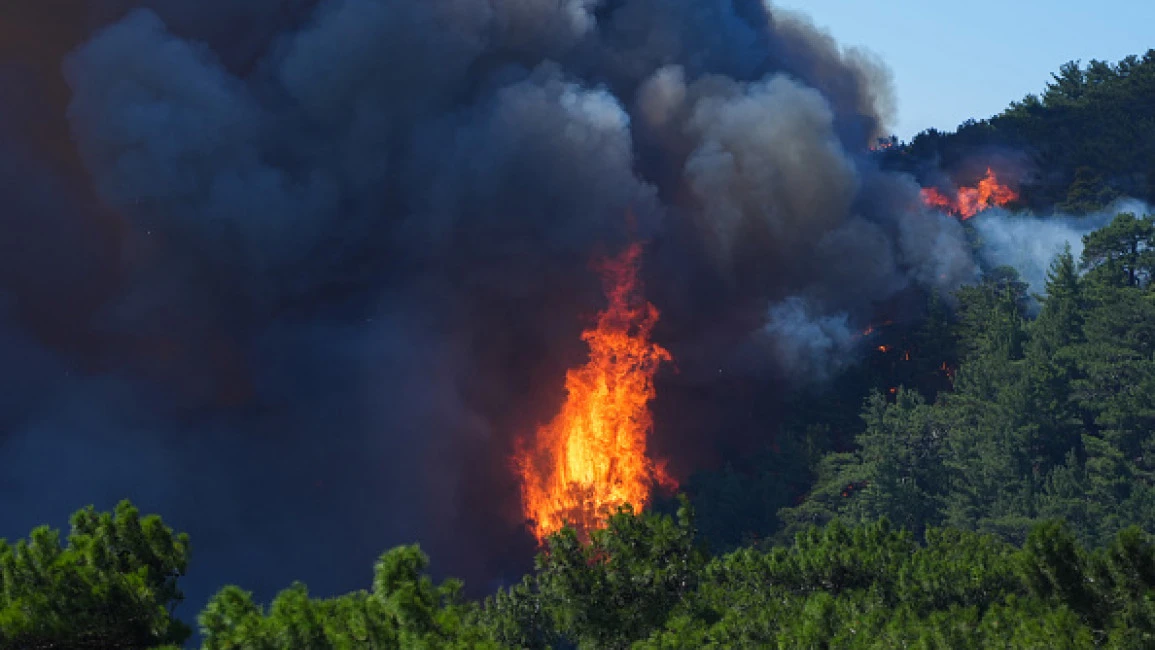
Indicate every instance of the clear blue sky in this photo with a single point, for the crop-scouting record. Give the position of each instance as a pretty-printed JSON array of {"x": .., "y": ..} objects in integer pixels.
[{"x": 953, "y": 60}]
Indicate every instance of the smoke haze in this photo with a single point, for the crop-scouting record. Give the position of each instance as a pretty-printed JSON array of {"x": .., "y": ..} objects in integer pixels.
[
  {"x": 1029, "y": 244},
  {"x": 297, "y": 274}
]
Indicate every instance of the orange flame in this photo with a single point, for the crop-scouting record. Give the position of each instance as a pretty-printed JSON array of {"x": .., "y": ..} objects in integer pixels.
[
  {"x": 970, "y": 201},
  {"x": 947, "y": 370},
  {"x": 870, "y": 329},
  {"x": 591, "y": 459}
]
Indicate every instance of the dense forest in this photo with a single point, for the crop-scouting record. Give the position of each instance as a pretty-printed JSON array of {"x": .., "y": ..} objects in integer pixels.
[
  {"x": 1087, "y": 139},
  {"x": 985, "y": 478}
]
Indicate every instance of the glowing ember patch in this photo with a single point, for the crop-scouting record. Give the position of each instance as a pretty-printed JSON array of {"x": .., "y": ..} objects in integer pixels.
[
  {"x": 591, "y": 459},
  {"x": 970, "y": 201},
  {"x": 870, "y": 329},
  {"x": 948, "y": 371}
]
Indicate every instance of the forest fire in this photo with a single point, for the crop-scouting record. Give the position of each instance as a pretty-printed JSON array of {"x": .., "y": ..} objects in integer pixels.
[
  {"x": 872, "y": 328},
  {"x": 591, "y": 459},
  {"x": 948, "y": 371},
  {"x": 970, "y": 201}
]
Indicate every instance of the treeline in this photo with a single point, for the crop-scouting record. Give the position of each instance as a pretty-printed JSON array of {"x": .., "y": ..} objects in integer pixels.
[
  {"x": 641, "y": 583},
  {"x": 1089, "y": 138}
]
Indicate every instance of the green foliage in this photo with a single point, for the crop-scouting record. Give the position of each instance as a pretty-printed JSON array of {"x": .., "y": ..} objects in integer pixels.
[
  {"x": 1091, "y": 130},
  {"x": 112, "y": 585},
  {"x": 873, "y": 587},
  {"x": 992, "y": 316},
  {"x": 1050, "y": 418},
  {"x": 862, "y": 586},
  {"x": 615, "y": 589},
  {"x": 1121, "y": 254},
  {"x": 404, "y": 610},
  {"x": 642, "y": 582},
  {"x": 896, "y": 473}
]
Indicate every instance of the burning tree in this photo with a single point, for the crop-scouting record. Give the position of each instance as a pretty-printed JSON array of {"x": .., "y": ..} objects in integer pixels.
[
  {"x": 969, "y": 201},
  {"x": 591, "y": 459}
]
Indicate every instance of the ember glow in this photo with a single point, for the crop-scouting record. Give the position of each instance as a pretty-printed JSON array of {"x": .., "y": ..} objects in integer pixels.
[
  {"x": 970, "y": 201},
  {"x": 591, "y": 459},
  {"x": 871, "y": 329},
  {"x": 948, "y": 371}
]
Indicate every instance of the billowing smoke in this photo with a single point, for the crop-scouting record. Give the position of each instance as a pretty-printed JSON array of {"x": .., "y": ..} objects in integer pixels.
[
  {"x": 335, "y": 256},
  {"x": 806, "y": 346},
  {"x": 1029, "y": 244}
]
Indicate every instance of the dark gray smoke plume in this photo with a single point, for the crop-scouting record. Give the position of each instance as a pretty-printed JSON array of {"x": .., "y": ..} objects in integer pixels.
[{"x": 324, "y": 261}]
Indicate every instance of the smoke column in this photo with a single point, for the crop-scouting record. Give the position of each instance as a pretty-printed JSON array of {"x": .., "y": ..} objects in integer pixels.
[{"x": 296, "y": 274}]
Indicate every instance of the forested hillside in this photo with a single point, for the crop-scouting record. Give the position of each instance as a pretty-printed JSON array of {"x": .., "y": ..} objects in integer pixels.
[
  {"x": 1036, "y": 406},
  {"x": 640, "y": 583},
  {"x": 1088, "y": 138},
  {"x": 1048, "y": 418}
]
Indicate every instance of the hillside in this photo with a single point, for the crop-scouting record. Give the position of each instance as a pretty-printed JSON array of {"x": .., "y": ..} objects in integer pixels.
[{"x": 1088, "y": 138}]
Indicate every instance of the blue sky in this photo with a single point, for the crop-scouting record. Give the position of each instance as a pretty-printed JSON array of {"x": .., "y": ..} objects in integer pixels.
[{"x": 960, "y": 59}]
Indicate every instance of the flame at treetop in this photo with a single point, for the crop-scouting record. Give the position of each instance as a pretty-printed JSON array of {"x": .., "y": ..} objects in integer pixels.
[
  {"x": 970, "y": 201},
  {"x": 591, "y": 459}
]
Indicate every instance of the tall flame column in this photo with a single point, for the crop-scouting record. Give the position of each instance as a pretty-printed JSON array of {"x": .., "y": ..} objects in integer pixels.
[{"x": 591, "y": 459}]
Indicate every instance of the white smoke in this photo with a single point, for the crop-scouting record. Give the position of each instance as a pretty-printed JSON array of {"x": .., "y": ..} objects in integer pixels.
[
  {"x": 1029, "y": 244},
  {"x": 809, "y": 345}
]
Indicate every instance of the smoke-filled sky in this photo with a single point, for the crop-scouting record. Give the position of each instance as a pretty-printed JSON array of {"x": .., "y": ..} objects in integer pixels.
[{"x": 297, "y": 274}]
